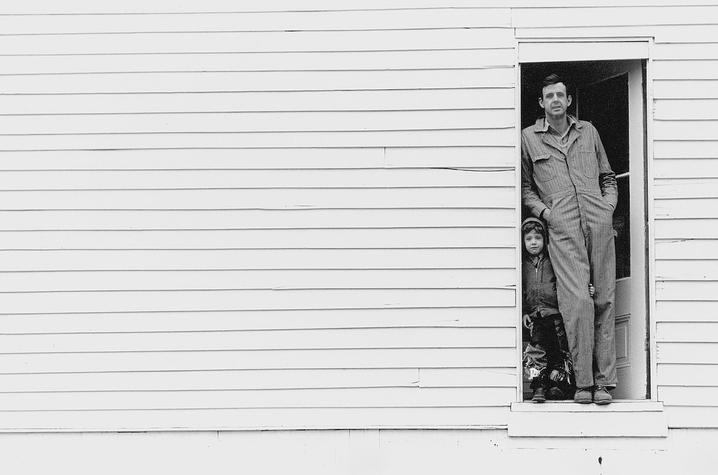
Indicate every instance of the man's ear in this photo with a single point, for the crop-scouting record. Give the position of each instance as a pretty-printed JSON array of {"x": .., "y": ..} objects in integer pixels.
[
  {"x": 541, "y": 102},
  {"x": 569, "y": 99}
]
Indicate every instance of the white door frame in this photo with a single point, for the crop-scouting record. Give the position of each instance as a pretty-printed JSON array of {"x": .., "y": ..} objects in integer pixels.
[{"x": 530, "y": 50}]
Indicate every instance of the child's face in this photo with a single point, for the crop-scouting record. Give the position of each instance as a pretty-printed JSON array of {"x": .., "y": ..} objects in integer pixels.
[{"x": 533, "y": 241}]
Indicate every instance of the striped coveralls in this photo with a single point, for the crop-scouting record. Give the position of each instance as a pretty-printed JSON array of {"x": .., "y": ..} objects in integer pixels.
[{"x": 571, "y": 176}]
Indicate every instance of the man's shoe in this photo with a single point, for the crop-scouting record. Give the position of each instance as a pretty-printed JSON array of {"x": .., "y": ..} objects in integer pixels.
[
  {"x": 539, "y": 395},
  {"x": 601, "y": 396},
  {"x": 583, "y": 396}
]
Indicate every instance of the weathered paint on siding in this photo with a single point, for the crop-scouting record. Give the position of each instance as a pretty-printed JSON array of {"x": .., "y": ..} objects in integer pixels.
[{"x": 303, "y": 215}]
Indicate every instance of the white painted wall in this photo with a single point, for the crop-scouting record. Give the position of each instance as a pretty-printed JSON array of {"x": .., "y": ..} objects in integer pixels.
[{"x": 277, "y": 215}]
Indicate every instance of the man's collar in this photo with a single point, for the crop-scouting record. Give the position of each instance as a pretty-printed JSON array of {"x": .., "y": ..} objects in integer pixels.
[{"x": 542, "y": 124}]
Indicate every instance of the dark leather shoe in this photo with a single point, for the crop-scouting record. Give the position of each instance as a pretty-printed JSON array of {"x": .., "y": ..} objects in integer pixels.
[
  {"x": 539, "y": 395},
  {"x": 601, "y": 396},
  {"x": 583, "y": 396}
]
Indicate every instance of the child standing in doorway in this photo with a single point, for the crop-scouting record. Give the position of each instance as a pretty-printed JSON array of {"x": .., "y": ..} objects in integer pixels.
[{"x": 546, "y": 360}]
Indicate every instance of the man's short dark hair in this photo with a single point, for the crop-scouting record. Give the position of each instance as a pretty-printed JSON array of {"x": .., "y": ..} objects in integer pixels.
[{"x": 551, "y": 79}]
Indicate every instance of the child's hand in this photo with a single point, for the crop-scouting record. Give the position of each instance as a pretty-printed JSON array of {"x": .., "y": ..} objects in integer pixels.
[
  {"x": 591, "y": 290},
  {"x": 527, "y": 322},
  {"x": 554, "y": 375}
]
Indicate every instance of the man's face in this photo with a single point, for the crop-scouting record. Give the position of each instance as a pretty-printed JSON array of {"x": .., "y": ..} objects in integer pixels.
[
  {"x": 554, "y": 100},
  {"x": 533, "y": 241}
]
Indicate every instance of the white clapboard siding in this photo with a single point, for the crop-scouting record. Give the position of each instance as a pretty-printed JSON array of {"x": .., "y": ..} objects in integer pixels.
[
  {"x": 686, "y": 89},
  {"x": 685, "y": 109},
  {"x": 197, "y": 321},
  {"x": 325, "y": 198},
  {"x": 253, "y": 299},
  {"x": 687, "y": 311},
  {"x": 217, "y": 419},
  {"x": 703, "y": 69},
  {"x": 256, "y": 81},
  {"x": 196, "y": 259},
  {"x": 290, "y": 398},
  {"x": 258, "y": 380},
  {"x": 677, "y": 168},
  {"x": 687, "y": 249},
  {"x": 616, "y": 16},
  {"x": 687, "y": 270},
  {"x": 261, "y": 159},
  {"x": 260, "y": 239},
  {"x": 699, "y": 332},
  {"x": 394, "y": 99},
  {"x": 246, "y": 42},
  {"x": 260, "y": 359},
  {"x": 286, "y": 61},
  {"x": 357, "y": 138},
  {"x": 249, "y": 122},
  {"x": 262, "y": 340},
  {"x": 254, "y": 179},
  {"x": 302, "y": 215},
  {"x": 687, "y": 208},
  {"x": 293, "y": 218},
  {"x": 705, "y": 33},
  {"x": 687, "y": 150},
  {"x": 261, "y": 21}
]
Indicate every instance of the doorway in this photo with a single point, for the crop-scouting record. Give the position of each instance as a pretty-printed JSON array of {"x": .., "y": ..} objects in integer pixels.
[{"x": 611, "y": 95}]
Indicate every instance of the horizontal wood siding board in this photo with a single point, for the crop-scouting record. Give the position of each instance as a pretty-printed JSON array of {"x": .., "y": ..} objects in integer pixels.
[
  {"x": 264, "y": 299},
  {"x": 262, "y": 340},
  {"x": 579, "y": 16},
  {"x": 687, "y": 353},
  {"x": 289, "y": 219},
  {"x": 270, "y": 359},
  {"x": 677, "y": 270},
  {"x": 693, "y": 290},
  {"x": 661, "y": 34},
  {"x": 687, "y": 208},
  {"x": 260, "y": 380},
  {"x": 262, "y": 239},
  {"x": 685, "y": 332},
  {"x": 283, "y": 279},
  {"x": 327, "y": 198},
  {"x": 686, "y": 109},
  {"x": 687, "y": 375},
  {"x": 255, "y": 179},
  {"x": 405, "y": 19},
  {"x": 686, "y": 52},
  {"x": 689, "y": 150},
  {"x": 259, "y": 259},
  {"x": 688, "y": 417},
  {"x": 197, "y": 321},
  {"x": 484, "y": 57},
  {"x": 259, "y": 102},
  {"x": 686, "y": 188},
  {"x": 266, "y": 122},
  {"x": 216, "y": 419},
  {"x": 262, "y": 159},
  {"x": 686, "y": 249},
  {"x": 259, "y": 81},
  {"x": 277, "y": 41},
  {"x": 470, "y": 137},
  {"x": 253, "y": 399},
  {"x": 686, "y": 311}
]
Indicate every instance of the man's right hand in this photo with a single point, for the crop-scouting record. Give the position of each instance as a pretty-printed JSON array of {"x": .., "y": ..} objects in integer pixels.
[{"x": 546, "y": 214}]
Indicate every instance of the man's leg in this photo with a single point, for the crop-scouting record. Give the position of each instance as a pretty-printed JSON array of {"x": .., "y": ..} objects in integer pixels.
[
  {"x": 570, "y": 262},
  {"x": 602, "y": 255}
]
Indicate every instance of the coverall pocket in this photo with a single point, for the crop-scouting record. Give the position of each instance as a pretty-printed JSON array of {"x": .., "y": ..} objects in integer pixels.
[
  {"x": 587, "y": 163},
  {"x": 543, "y": 168}
]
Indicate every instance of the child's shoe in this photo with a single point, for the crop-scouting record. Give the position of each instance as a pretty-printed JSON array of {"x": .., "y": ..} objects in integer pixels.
[
  {"x": 539, "y": 395},
  {"x": 555, "y": 394}
]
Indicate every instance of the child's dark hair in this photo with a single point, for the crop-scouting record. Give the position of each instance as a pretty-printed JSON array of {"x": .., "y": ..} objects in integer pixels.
[{"x": 532, "y": 226}]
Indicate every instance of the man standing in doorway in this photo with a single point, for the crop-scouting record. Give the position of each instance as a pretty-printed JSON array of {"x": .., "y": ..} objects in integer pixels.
[{"x": 566, "y": 180}]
